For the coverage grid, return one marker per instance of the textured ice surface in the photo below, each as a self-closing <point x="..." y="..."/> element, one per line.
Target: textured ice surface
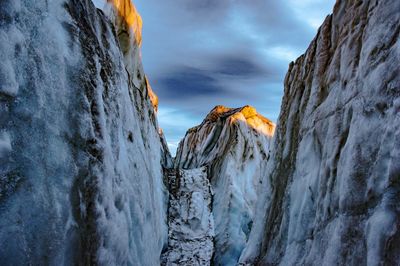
<point x="190" y="221"/>
<point x="333" y="181"/>
<point x="81" y="157"/>
<point x="5" y="144"/>
<point x="234" y="144"/>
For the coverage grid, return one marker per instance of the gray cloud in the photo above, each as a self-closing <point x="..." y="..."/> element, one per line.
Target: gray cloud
<point x="200" y="53"/>
<point x="239" y="67"/>
<point x="186" y="82"/>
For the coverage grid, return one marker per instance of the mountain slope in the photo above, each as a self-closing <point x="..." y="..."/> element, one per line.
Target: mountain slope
<point x="81" y="157"/>
<point x="332" y="185"/>
<point x="234" y="144"/>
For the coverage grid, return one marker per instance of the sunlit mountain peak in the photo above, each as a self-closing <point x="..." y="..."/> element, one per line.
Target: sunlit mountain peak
<point x="130" y="17"/>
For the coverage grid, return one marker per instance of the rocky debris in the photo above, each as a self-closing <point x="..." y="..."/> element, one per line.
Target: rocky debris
<point x="331" y="188"/>
<point x="190" y="221"/>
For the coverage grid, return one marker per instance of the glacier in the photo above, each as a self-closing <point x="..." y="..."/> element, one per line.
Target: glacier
<point x="82" y="156"/>
<point x="234" y="144"/>
<point x="86" y="177"/>
<point x="332" y="190"/>
<point x="190" y="221"/>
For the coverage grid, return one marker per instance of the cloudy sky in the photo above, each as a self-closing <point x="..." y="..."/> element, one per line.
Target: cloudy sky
<point x="202" y="53"/>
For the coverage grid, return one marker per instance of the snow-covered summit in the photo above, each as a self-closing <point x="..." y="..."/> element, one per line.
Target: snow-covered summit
<point x="247" y="114"/>
<point x="209" y="140"/>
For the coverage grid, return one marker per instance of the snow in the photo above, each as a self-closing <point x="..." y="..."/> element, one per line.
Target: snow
<point x="8" y="83"/>
<point x="380" y="226"/>
<point x="234" y="144"/>
<point x="329" y="192"/>
<point x="81" y="172"/>
<point x="191" y="223"/>
<point x="11" y="40"/>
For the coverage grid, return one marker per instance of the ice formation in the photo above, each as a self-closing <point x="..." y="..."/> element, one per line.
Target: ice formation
<point x="84" y="167"/>
<point x="332" y="186"/>
<point x="190" y="221"/>
<point x="234" y="144"/>
<point x="81" y="156"/>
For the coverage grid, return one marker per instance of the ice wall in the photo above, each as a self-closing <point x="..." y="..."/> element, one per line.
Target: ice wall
<point x="332" y="185"/>
<point x="81" y="156"/>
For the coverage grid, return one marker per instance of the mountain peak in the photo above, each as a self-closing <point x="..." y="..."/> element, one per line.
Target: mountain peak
<point x="247" y="114"/>
<point x="222" y="111"/>
<point x="234" y="144"/>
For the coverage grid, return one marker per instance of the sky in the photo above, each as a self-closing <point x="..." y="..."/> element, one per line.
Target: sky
<point x="201" y="53"/>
